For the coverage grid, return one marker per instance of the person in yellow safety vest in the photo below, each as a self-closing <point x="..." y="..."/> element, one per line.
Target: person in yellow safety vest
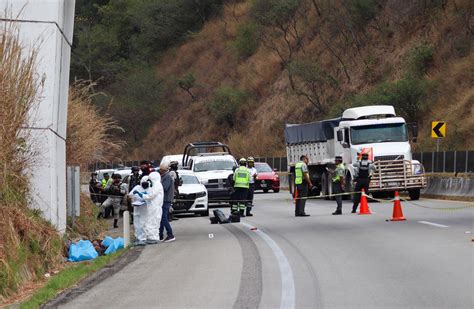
<point x="302" y="184"/>
<point x="105" y="180"/>
<point x="338" y="183"/>
<point x="241" y="186"/>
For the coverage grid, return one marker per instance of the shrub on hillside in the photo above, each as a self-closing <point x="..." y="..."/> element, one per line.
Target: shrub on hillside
<point x="419" y="59"/>
<point x="362" y="11"/>
<point x="247" y="40"/>
<point x="227" y="102"/>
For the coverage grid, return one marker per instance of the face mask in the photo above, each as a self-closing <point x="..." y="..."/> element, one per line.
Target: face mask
<point x="145" y="185"/>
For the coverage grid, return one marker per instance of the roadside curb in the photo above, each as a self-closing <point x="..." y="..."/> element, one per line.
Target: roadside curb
<point x="95" y="278"/>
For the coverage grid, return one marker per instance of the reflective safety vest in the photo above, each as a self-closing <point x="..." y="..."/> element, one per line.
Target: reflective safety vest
<point x="104" y="183"/>
<point x="338" y="173"/>
<point x="241" y="177"/>
<point x="299" y="173"/>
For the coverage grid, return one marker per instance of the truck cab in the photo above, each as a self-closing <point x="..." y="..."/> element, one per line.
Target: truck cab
<point x="212" y="163"/>
<point x="375" y="130"/>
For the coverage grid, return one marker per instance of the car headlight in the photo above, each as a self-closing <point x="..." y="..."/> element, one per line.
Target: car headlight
<point x="204" y="181"/>
<point x="201" y="194"/>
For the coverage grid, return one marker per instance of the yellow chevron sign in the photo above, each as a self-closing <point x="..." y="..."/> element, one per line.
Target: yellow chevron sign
<point x="438" y="129"/>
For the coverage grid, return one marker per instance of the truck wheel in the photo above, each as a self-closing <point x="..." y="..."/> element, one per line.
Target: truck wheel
<point x="205" y="214"/>
<point x="324" y="185"/>
<point x="349" y="188"/>
<point x="414" y="194"/>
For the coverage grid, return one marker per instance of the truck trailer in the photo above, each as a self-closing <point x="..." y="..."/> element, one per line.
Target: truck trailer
<point x="375" y="130"/>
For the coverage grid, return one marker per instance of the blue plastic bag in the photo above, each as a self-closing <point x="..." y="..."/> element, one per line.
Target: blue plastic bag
<point x="107" y="241"/>
<point x="82" y="251"/>
<point x="116" y="244"/>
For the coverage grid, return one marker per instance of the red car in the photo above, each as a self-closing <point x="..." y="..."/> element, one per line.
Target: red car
<point x="267" y="178"/>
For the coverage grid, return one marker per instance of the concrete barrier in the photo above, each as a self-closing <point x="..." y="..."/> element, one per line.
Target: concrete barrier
<point x="283" y="180"/>
<point x="449" y="186"/>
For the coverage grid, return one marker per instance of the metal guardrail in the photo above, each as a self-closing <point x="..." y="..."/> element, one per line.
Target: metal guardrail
<point x="433" y="162"/>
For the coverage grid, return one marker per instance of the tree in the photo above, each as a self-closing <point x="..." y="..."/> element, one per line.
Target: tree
<point x="312" y="82"/>
<point x="227" y="102"/>
<point x="186" y="83"/>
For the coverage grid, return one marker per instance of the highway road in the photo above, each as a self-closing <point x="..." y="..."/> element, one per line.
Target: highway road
<point x="321" y="261"/>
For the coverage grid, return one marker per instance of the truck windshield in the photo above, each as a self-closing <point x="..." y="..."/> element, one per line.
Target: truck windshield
<point x="380" y="133"/>
<point x="214" y="166"/>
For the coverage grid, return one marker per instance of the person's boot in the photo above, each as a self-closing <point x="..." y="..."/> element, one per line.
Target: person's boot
<point x="337" y="212"/>
<point x="241" y="213"/>
<point x="247" y="213"/>
<point x="115" y="223"/>
<point x="100" y="215"/>
<point x="354" y="209"/>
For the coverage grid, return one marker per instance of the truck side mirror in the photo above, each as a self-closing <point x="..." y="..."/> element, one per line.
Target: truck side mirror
<point x="339" y="136"/>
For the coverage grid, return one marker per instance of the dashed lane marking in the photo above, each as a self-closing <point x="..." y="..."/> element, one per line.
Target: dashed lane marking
<point x="433" y="224"/>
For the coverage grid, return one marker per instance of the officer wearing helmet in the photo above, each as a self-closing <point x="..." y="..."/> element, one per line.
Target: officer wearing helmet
<point x="253" y="177"/>
<point x="241" y="186"/>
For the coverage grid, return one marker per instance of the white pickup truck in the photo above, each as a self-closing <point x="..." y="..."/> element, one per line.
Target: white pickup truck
<point x="372" y="129"/>
<point x="211" y="168"/>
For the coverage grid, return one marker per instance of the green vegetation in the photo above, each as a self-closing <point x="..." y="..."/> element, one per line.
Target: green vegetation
<point x="419" y="59"/>
<point x="186" y="83"/>
<point x="362" y="11"/>
<point x="67" y="278"/>
<point x="116" y="43"/>
<point x="248" y="39"/>
<point x="227" y="102"/>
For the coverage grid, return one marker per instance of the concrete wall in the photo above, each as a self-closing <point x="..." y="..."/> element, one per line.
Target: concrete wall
<point x="48" y="26"/>
<point x="450" y="186"/>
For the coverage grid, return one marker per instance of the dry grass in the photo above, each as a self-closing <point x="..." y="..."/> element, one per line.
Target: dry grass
<point x="29" y="245"/>
<point x="89" y="134"/>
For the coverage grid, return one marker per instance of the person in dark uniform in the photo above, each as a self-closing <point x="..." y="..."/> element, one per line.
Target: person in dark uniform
<point x="302" y="184"/>
<point x="338" y="182"/>
<point x="362" y="171"/>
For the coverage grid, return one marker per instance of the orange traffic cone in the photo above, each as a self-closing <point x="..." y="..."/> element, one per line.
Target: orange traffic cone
<point x="397" y="209"/>
<point x="364" y="206"/>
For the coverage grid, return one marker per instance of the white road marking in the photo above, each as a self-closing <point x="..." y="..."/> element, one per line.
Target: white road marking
<point x="287" y="281"/>
<point x="433" y="224"/>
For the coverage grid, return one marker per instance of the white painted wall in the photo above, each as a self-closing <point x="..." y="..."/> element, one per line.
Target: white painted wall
<point x="48" y="25"/>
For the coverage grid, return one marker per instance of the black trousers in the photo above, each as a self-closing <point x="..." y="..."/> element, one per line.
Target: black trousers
<point x="250" y="197"/>
<point x="301" y="203"/>
<point x="362" y="183"/>
<point x="337" y="189"/>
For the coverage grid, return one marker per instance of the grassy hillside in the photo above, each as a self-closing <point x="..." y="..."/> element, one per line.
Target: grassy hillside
<point x="265" y="63"/>
<point x="249" y="67"/>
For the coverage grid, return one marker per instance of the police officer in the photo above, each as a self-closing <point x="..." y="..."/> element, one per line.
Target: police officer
<point x="338" y="182"/>
<point x="241" y="186"/>
<point x="302" y="184"/>
<point x="253" y="177"/>
<point x="362" y="172"/>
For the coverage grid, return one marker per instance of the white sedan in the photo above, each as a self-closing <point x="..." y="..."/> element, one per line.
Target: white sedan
<point x="192" y="197"/>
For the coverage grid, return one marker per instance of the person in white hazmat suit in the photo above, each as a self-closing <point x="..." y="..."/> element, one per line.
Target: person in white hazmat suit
<point x="154" y="201"/>
<point x="140" y="212"/>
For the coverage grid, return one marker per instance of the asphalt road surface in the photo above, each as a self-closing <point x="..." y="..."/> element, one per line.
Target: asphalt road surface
<point x="321" y="261"/>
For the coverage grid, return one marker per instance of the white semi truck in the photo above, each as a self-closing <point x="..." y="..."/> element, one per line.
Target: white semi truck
<point x="372" y="129"/>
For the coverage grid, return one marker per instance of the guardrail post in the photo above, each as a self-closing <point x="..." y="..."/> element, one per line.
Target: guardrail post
<point x="432" y="162"/>
<point x="467" y="161"/>
<point x="444" y="161"/>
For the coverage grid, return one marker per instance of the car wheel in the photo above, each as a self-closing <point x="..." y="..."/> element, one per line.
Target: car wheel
<point x="276" y="190"/>
<point x="265" y="190"/>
